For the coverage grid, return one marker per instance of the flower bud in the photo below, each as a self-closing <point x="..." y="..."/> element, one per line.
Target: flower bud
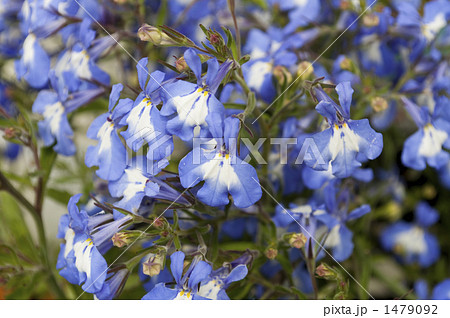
<point x="271" y="253"/>
<point x="10" y="132"/>
<point x="154" y="35"/>
<point x="379" y="104"/>
<point x="304" y="70"/>
<point x="151" y="269"/>
<point x="214" y="39"/>
<point x="153" y="265"/>
<point x="326" y="272"/>
<point x="346" y="64"/>
<point x="121" y="239"/>
<point x="371" y="20"/>
<point x="181" y="65"/>
<point x="282" y="75"/>
<point x="158" y="223"/>
<point x="297" y="240"/>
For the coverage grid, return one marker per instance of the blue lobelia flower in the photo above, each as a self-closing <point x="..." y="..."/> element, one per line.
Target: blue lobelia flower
<point x="267" y="50"/>
<point x="189" y="104"/>
<point x="377" y="53"/>
<point x="109" y="154"/>
<point x="339" y="239"/>
<point x="34" y="65"/>
<point x="411" y="242"/>
<point x="186" y="287"/>
<point x="221" y="169"/>
<point x="135" y="183"/>
<point x="346" y="143"/>
<point x="189" y="15"/>
<point x="425" y="145"/>
<point x="426" y="28"/>
<point x="301" y="12"/>
<point x="215" y="285"/>
<point x="145" y="124"/>
<point x="309" y="219"/>
<point x="86" y="238"/>
<point x="76" y="68"/>
<point x="54" y="106"/>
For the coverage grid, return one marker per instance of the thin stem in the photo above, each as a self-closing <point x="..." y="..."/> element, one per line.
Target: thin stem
<point x="310" y="264"/>
<point x="8" y="187"/>
<point x="231" y="5"/>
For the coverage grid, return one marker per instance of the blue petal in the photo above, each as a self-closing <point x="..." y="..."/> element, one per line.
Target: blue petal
<point x="410" y="157"/>
<point x="442" y="290"/>
<point x="194" y="62"/>
<point x="426" y="215"/>
<point x="114" y="96"/>
<point x="199" y="273"/>
<point x="160" y="292"/>
<point x="358" y="212"/>
<point x="142" y="71"/>
<point x="34" y="64"/>
<point x="371" y="142"/>
<point x="345" y="92"/>
<point x="177" y="265"/>
<point x="238" y="273"/>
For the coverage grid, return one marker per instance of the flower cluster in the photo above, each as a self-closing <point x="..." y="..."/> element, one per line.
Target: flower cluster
<point x="262" y="149"/>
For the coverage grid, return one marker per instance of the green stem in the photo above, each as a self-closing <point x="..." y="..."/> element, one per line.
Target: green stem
<point x="8" y="187"/>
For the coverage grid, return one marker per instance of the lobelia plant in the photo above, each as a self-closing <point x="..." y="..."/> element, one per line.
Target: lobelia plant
<point x="231" y="151"/>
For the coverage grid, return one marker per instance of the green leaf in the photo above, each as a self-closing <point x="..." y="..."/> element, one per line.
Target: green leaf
<point x="13" y="229"/>
<point x="60" y="196"/>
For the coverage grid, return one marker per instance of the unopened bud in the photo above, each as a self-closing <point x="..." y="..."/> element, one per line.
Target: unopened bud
<point x="181" y="65"/>
<point x="379" y="104"/>
<point x="121" y="239"/>
<point x="149" y="33"/>
<point x="153" y="265"/>
<point x="304" y="69"/>
<point x="271" y="253"/>
<point x="297" y="240"/>
<point x="326" y="272"/>
<point x="371" y="20"/>
<point x="214" y="39"/>
<point x="345" y="5"/>
<point x="158" y="223"/>
<point x="392" y="210"/>
<point x="346" y="64"/>
<point x="10" y="132"/>
<point x="282" y="75"/>
<point x="151" y="269"/>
